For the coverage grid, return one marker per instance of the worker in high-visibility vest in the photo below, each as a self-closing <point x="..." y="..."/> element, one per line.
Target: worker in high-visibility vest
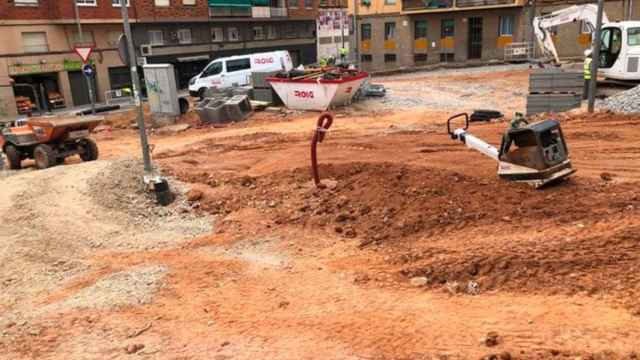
<point x="344" y="52"/>
<point x="587" y="73"/>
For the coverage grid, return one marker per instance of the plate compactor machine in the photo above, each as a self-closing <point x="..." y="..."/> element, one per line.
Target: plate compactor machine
<point x="535" y="154"/>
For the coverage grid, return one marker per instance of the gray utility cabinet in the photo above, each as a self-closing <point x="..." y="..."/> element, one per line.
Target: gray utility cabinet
<point x="162" y="89"/>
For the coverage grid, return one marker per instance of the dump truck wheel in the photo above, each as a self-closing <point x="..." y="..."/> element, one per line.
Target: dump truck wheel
<point x="13" y="156"/>
<point x="90" y="150"/>
<point x="44" y="156"/>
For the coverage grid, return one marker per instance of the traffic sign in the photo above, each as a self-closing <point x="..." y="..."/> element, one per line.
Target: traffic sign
<point x="84" y="53"/>
<point x="87" y="70"/>
<point x="123" y="49"/>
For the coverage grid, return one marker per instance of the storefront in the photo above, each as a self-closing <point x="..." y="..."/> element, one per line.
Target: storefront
<point x="48" y="85"/>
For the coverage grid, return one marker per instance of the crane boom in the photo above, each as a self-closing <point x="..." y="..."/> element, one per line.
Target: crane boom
<point x="541" y="24"/>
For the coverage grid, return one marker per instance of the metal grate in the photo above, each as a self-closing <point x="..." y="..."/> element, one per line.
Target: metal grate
<point x="632" y="64"/>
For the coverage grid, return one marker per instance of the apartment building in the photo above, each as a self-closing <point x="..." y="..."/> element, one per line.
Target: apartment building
<point x="37" y="59"/>
<point x="396" y="34"/>
<point x="334" y="28"/>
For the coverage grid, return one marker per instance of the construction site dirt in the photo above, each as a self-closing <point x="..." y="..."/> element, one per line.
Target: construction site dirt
<point x="412" y="249"/>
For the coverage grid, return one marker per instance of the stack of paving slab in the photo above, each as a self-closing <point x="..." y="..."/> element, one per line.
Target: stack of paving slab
<point x="554" y="90"/>
<point x="262" y="90"/>
<point x="221" y="108"/>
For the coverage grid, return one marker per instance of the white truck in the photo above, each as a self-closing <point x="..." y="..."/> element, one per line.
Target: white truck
<point x="236" y="70"/>
<point x="619" y="41"/>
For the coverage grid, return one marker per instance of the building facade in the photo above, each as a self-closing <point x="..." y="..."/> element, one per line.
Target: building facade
<point x="334" y="28"/>
<point x="38" y="62"/>
<point x="396" y="34"/>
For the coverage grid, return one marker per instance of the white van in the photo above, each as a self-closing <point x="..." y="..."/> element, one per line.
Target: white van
<point x="236" y="70"/>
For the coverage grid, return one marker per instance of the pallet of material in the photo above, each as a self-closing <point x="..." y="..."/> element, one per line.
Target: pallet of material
<point x="544" y="103"/>
<point x="543" y="81"/>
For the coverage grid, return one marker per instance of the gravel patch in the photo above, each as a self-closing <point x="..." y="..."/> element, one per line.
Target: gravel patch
<point x="124" y="193"/>
<point x="126" y="288"/>
<point x="626" y="102"/>
<point x="429" y="90"/>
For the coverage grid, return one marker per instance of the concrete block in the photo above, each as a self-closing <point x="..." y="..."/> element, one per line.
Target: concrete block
<point x="258" y="79"/>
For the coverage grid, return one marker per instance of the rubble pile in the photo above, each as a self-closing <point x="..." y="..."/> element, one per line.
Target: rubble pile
<point x="626" y="102"/>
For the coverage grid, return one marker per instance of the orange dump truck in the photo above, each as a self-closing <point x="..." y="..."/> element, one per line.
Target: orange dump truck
<point x="49" y="140"/>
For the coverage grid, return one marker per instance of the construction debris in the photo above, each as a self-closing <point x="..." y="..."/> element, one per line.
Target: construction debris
<point x="626" y="102"/>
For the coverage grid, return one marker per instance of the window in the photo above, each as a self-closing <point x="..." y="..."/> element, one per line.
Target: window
<point x="234" y="34"/>
<point x="217" y="35"/>
<point x="420" y="29"/>
<point x="155" y="37"/>
<point x="87" y="38"/>
<point x="293" y="4"/>
<point x="420" y="58"/>
<point x="258" y="33"/>
<point x="586" y="27"/>
<point x="389" y="58"/>
<point x="86" y="2"/>
<point x="162" y="2"/>
<point x="184" y="36"/>
<point x="633" y="36"/>
<point x="389" y="2"/>
<point x="237" y="65"/>
<point x="213" y="69"/>
<point x="506" y="26"/>
<point x="365" y="32"/>
<point x="448" y="28"/>
<point x="447" y="57"/>
<point x="271" y="32"/>
<point x="26" y="2"/>
<point x="308" y="4"/>
<point x="366" y="58"/>
<point x="35" y="42"/>
<point x="117" y="3"/>
<point x="188" y="2"/>
<point x="288" y="30"/>
<point x="389" y="31"/>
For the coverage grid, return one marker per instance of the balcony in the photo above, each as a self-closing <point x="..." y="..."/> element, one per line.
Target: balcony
<point x="279" y="12"/>
<point x="473" y="3"/>
<point x="229" y="11"/>
<point x="453" y="5"/>
<point x="261" y="12"/>
<point x="333" y="4"/>
<point x="409" y="5"/>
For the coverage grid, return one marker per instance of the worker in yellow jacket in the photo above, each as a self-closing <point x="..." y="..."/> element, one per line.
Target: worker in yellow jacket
<point x="587" y="73"/>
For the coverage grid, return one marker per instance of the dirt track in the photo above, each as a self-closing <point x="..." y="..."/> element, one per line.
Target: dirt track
<point x="292" y="272"/>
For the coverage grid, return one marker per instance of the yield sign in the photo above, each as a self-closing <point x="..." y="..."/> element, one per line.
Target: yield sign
<point x="84" y="53"/>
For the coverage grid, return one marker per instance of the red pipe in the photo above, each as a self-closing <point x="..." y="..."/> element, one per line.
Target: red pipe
<point x="324" y="123"/>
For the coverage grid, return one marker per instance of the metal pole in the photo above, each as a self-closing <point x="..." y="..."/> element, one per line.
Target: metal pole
<point x="135" y="82"/>
<point x="532" y="35"/>
<point x="343" y="20"/>
<point x="595" y="56"/>
<point x="356" y="48"/>
<point x="81" y="36"/>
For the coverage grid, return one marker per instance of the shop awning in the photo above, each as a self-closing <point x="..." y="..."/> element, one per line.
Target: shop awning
<point x="230" y="3"/>
<point x="260" y="2"/>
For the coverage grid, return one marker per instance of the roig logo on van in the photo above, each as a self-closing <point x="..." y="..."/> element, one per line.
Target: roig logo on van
<point x="268" y="60"/>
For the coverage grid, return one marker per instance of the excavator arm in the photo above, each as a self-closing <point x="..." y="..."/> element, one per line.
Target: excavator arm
<point x="541" y="24"/>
